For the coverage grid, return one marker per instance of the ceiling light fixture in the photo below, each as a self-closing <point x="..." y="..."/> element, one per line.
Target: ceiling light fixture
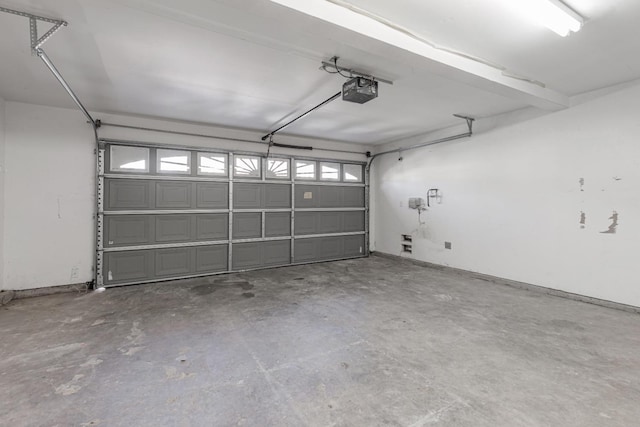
<point x="553" y="14"/>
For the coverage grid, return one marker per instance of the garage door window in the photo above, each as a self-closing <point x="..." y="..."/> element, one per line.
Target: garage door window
<point x="212" y="164"/>
<point x="129" y="159"/>
<point x="329" y="171"/>
<point x="352" y="173"/>
<point x="278" y="168"/>
<point x="174" y="161"/>
<point x="246" y="167"/>
<point x="305" y="169"/>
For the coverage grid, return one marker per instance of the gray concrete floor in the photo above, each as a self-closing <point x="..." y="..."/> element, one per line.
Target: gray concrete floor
<point x="355" y="343"/>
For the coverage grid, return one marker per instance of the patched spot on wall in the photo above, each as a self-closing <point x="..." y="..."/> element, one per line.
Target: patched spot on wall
<point x="613" y="228"/>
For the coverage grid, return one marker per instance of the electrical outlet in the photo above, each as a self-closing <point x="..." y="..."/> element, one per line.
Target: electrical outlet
<point x="447" y="245"/>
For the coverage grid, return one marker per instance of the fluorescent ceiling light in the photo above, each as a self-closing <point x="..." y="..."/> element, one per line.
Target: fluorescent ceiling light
<point x="553" y="14"/>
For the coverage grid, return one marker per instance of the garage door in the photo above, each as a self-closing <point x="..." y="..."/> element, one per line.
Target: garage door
<point x="177" y="212"/>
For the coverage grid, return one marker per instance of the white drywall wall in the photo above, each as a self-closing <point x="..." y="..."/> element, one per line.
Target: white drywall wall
<point x="50" y="181"/>
<point x="2" y="143"/>
<point x="512" y="200"/>
<point x="49" y="197"/>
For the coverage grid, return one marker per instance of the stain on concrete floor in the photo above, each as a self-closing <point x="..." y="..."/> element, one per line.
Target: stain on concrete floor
<point x="221" y="283"/>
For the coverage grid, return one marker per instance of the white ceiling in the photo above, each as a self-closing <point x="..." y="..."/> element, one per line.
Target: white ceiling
<point x="254" y="64"/>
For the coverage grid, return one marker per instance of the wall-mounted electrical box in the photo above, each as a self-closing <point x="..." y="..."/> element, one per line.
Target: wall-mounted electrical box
<point x="416" y="203"/>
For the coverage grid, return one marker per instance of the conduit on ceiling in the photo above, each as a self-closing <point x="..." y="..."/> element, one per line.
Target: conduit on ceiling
<point x="337" y="69"/>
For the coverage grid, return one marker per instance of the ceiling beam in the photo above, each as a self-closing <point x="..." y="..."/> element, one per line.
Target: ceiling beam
<point x="452" y="65"/>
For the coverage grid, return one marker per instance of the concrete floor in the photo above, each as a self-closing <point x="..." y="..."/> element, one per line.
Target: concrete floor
<point x="355" y="343"/>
